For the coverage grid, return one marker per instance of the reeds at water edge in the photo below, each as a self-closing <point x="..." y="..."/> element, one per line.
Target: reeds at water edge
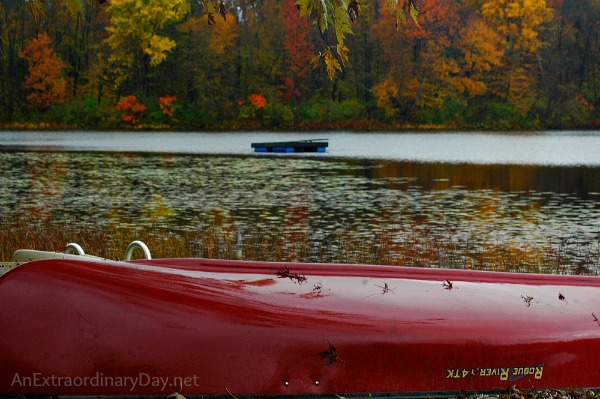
<point x="291" y="244"/>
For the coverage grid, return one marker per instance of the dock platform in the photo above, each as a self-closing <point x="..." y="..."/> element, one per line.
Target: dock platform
<point x="315" y="145"/>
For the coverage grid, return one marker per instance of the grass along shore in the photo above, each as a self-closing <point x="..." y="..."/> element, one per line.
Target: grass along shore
<point x="288" y="244"/>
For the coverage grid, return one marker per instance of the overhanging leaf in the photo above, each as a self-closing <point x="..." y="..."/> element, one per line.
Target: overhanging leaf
<point x="315" y="60"/>
<point x="36" y="8"/>
<point x="331" y="63"/>
<point x="414" y="13"/>
<point x="343" y="51"/>
<point x="390" y="5"/>
<point x="353" y="10"/>
<point x="183" y="7"/>
<point x="74" y="7"/>
<point x="342" y="24"/>
<point x="210" y="7"/>
<point x="211" y="11"/>
<point x="223" y="11"/>
<point x="210" y="17"/>
<point x="320" y="8"/>
<point x="400" y="17"/>
<point x="305" y="7"/>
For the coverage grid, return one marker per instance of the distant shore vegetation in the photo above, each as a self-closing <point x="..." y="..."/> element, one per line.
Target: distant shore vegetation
<point x="133" y="64"/>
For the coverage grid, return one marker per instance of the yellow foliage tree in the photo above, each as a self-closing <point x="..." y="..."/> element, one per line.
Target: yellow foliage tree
<point x="518" y="21"/>
<point x="385" y="94"/>
<point x="482" y="55"/>
<point x="135" y="32"/>
<point x="224" y="36"/>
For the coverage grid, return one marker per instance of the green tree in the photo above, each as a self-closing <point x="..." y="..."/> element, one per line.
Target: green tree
<point x="204" y="69"/>
<point x="15" y="33"/>
<point x="572" y="65"/>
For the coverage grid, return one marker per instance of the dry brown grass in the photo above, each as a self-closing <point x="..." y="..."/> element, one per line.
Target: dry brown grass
<point x="219" y="242"/>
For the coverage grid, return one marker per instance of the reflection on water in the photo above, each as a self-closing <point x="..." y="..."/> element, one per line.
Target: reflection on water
<point x="470" y="205"/>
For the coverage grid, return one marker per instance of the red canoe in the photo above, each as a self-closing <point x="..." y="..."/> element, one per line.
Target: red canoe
<point x="202" y="327"/>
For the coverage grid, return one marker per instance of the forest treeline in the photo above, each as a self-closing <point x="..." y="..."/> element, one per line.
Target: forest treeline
<point x="469" y="64"/>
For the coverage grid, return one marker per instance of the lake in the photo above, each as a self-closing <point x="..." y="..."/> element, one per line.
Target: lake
<point x="529" y="191"/>
<point x="548" y="148"/>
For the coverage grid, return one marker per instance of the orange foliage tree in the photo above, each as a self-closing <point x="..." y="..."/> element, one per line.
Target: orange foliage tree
<point x="258" y="100"/>
<point x="166" y="105"/>
<point x="254" y="110"/>
<point x="45" y="79"/>
<point x="133" y="110"/>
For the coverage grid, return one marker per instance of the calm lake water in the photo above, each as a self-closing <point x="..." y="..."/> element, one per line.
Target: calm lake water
<point x="551" y="148"/>
<point x="525" y="191"/>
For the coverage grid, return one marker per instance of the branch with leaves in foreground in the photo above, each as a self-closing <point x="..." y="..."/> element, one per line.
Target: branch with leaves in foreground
<point x="337" y="15"/>
<point x="329" y="15"/>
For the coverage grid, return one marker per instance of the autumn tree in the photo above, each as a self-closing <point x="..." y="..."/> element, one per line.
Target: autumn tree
<point x="204" y="67"/>
<point x="167" y="105"/>
<point x="435" y="65"/>
<point x="518" y="24"/>
<point x="298" y="50"/>
<point x="481" y="56"/>
<point x="420" y="70"/>
<point x="333" y="16"/>
<point x="132" y="109"/>
<point x="572" y="74"/>
<point x="137" y="38"/>
<point x="38" y="8"/>
<point x="473" y="63"/>
<point x="261" y="59"/>
<point x="394" y="63"/>
<point x="45" y="79"/>
<point x="386" y="93"/>
<point x="220" y="60"/>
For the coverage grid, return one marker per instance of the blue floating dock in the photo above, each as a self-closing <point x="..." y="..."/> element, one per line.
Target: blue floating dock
<point x="316" y="145"/>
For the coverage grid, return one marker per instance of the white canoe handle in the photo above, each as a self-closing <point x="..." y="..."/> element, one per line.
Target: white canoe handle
<point x="73" y="247"/>
<point x="135" y="245"/>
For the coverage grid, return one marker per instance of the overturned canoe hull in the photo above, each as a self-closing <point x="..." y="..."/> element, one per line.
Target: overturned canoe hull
<point x="207" y="327"/>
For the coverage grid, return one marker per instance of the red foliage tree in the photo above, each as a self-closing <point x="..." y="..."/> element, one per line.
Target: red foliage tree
<point x="298" y="48"/>
<point x="166" y="105"/>
<point x="45" y="79"/>
<point x="132" y="109"/>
